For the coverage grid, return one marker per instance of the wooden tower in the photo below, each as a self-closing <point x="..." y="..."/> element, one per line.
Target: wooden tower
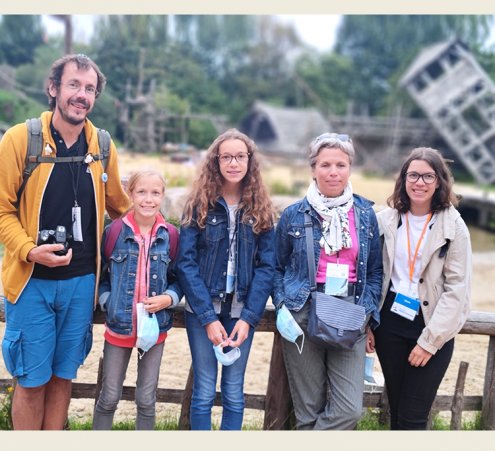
<point x="458" y="97"/>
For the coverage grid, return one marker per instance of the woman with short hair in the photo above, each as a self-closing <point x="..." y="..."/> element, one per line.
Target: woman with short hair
<point x="327" y="383"/>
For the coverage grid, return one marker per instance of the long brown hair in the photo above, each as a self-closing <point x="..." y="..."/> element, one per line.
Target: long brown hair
<point x="444" y="195"/>
<point x="207" y="188"/>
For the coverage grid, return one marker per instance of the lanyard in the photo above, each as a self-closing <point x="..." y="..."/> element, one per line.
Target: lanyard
<point x="146" y="262"/>
<point x="412" y="261"/>
<point x="75" y="183"/>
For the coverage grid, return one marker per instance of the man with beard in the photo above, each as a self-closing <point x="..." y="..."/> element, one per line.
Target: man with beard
<point x="49" y="288"/>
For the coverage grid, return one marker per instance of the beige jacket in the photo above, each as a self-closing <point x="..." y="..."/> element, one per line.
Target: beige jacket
<point x="445" y="283"/>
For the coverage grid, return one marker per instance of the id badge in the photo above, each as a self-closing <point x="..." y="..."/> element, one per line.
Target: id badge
<point x="230" y="277"/>
<point x="409" y="289"/>
<point x="337" y="279"/>
<point x="76" y="224"/>
<point x="405" y="306"/>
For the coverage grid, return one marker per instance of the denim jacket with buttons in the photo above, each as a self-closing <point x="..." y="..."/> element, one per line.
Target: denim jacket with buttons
<point x="202" y="266"/>
<point x="292" y="285"/>
<point x="116" y="290"/>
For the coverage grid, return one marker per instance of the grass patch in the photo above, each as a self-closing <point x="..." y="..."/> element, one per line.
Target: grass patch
<point x="170" y="423"/>
<point x="370" y="422"/>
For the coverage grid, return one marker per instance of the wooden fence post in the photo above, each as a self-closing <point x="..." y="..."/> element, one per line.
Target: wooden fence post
<point x="99" y="380"/>
<point x="384" y="417"/>
<point x="458" y="400"/>
<point x="488" y="409"/>
<point x="184" y="419"/>
<point x="278" y="402"/>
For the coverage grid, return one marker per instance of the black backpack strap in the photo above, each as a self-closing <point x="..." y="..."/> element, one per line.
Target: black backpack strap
<point x="35" y="143"/>
<point x="34" y="152"/>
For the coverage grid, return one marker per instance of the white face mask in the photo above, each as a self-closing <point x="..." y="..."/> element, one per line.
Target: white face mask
<point x="147" y="328"/>
<point x="288" y="327"/>
<point x="227" y="358"/>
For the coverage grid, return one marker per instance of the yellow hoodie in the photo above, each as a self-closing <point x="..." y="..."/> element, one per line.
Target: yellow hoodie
<point x="19" y="227"/>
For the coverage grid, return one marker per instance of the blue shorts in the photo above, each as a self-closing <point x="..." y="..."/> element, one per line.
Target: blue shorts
<point x="49" y="330"/>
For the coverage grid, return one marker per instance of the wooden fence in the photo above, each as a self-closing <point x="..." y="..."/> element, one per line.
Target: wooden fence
<point x="277" y="403"/>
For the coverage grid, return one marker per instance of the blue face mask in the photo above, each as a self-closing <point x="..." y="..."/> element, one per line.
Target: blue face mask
<point x="288" y="327"/>
<point x="368" y="369"/>
<point x="227" y="358"/>
<point x="147" y="329"/>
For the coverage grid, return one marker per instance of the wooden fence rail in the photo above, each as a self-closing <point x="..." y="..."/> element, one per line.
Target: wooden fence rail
<point x="277" y="402"/>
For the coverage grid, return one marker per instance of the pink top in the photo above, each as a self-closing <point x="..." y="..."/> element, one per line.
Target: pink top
<point x="346" y="256"/>
<point x="129" y="341"/>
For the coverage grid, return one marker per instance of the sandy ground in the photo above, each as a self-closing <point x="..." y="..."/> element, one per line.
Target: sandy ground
<point x="176" y="361"/>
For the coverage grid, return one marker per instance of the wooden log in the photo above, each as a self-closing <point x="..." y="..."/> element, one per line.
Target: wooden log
<point x="384" y="417"/>
<point x="99" y="380"/>
<point x="488" y="410"/>
<point x="429" y="424"/>
<point x="184" y="422"/>
<point x="278" y="404"/>
<point x="478" y="323"/>
<point x="458" y="399"/>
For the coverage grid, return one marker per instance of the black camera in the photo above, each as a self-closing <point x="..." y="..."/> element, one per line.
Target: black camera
<point x="57" y="236"/>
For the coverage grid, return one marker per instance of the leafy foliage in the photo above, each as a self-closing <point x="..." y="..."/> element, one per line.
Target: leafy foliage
<point x="20" y="35"/>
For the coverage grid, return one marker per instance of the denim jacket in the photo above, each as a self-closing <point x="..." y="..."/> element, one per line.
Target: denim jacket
<point x="292" y="285"/>
<point x="116" y="290"/>
<point x="202" y="266"/>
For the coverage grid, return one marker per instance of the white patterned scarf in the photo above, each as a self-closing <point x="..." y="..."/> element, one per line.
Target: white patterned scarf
<point x="334" y="211"/>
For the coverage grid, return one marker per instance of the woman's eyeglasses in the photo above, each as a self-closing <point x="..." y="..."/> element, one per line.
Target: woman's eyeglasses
<point x="428" y="178"/>
<point x="241" y="158"/>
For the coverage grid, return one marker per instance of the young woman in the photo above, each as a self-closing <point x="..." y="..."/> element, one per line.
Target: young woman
<point x="225" y="268"/>
<point x="426" y="287"/>
<point x="139" y="273"/>
<point x="327" y="384"/>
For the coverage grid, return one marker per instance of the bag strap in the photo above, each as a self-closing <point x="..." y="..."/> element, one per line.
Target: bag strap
<point x="112" y="235"/>
<point x="104" y="144"/>
<point x="173" y="240"/>
<point x="116" y="227"/>
<point x="34" y="144"/>
<point x="308" y="225"/>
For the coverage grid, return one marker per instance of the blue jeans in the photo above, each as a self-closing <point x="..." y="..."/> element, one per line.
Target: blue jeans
<point x="205" y="367"/>
<point x="115" y="363"/>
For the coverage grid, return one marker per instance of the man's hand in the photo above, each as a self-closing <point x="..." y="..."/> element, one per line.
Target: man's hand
<point x="44" y="255"/>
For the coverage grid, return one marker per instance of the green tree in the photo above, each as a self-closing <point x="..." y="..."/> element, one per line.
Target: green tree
<point x="20" y="35"/>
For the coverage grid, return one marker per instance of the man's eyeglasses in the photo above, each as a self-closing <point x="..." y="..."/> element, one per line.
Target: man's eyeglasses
<point x="76" y="87"/>
<point x="227" y="158"/>
<point x="342" y="138"/>
<point x="428" y="178"/>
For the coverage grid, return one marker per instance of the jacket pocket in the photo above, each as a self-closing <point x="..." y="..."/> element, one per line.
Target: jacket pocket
<point x="216" y="227"/>
<point x="297" y="236"/>
<point x="12" y="352"/>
